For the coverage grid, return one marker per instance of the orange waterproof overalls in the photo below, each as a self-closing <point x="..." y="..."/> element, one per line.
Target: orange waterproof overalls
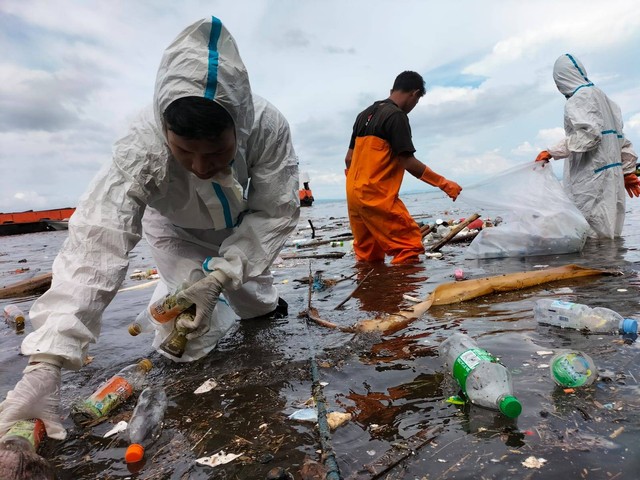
<point x="380" y="222"/>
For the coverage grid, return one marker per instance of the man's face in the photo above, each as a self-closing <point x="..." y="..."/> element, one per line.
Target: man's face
<point x="413" y="100"/>
<point x="204" y="158"/>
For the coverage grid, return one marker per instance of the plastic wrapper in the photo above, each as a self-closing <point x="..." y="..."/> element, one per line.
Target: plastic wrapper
<point x="539" y="218"/>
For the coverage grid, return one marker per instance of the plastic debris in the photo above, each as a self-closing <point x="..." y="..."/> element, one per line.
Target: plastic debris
<point x="305" y="415"/>
<point x="533" y="462"/>
<point x="411" y="299"/>
<point x="121" y="426"/>
<point x="542" y="353"/>
<point x="455" y="400"/>
<point x="219" y="458"/>
<point x="458" y="274"/>
<point x="206" y="386"/>
<point x="337" y="419"/>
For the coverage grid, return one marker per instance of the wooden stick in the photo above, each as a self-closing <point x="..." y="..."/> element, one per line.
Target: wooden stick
<point x="453" y="233"/>
<point x="37" y="284"/>
<point x="354" y="291"/>
<point x="292" y="256"/>
<point x="424" y="230"/>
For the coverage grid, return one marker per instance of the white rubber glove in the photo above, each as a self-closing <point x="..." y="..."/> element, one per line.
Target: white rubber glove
<point x="204" y="295"/>
<point x="36" y="395"/>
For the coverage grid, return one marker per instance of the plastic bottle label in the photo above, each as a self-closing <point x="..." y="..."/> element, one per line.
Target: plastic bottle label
<point x="565" y="372"/>
<point x="109" y="396"/>
<point x="167" y="309"/>
<point x="31" y="430"/>
<point x="561" y="304"/>
<point x="467" y="361"/>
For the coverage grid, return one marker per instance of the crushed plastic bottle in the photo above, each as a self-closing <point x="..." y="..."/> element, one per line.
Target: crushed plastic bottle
<point x="582" y="317"/>
<point x="18" y="457"/>
<point x="484" y="381"/>
<point x="146" y="422"/>
<point x="570" y="368"/>
<point x="111" y="393"/>
<point x="14" y="316"/>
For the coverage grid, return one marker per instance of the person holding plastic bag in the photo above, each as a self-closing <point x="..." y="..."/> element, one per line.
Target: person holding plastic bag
<point x="600" y="162"/>
<point x="208" y="174"/>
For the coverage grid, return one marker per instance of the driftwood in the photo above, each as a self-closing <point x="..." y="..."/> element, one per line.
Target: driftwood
<point x="454" y="231"/>
<point x="31" y="286"/>
<point x="295" y="256"/>
<point x="455" y="292"/>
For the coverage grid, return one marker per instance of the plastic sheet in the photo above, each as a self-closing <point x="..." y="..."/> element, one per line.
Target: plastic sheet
<point x="539" y="218"/>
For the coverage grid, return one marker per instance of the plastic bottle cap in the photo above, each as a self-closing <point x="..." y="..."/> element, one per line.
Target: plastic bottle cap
<point x="629" y="325"/>
<point x="145" y="364"/>
<point x="135" y="329"/>
<point x="510" y="406"/>
<point x="134" y="453"/>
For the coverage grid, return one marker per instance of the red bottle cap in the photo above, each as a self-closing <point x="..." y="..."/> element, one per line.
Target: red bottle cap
<point x="134" y="453"/>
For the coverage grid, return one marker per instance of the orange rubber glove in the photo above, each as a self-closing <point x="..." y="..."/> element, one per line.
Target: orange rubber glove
<point x="452" y="189"/>
<point x="632" y="184"/>
<point x="543" y="156"/>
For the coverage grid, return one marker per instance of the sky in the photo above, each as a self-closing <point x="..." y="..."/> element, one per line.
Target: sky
<point x="73" y="74"/>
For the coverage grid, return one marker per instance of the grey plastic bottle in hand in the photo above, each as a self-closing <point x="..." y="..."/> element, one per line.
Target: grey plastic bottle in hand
<point x="146" y="422"/>
<point x="484" y="381"/>
<point x="577" y="316"/>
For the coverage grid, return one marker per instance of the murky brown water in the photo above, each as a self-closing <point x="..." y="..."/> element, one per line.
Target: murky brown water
<point x="395" y="387"/>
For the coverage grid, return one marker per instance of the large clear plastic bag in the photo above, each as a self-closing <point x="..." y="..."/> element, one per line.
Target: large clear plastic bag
<point x="539" y="218"/>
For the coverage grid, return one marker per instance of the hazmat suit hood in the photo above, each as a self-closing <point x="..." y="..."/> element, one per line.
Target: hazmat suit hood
<point x="203" y="61"/>
<point x="570" y="75"/>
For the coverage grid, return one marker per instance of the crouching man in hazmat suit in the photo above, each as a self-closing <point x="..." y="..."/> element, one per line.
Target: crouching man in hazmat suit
<point x="600" y="162"/>
<point x="209" y="175"/>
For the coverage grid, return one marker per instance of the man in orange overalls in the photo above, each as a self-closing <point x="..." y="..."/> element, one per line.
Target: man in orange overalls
<point x="381" y="149"/>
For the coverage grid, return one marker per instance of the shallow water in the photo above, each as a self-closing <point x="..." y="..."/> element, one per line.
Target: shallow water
<point x="394" y="386"/>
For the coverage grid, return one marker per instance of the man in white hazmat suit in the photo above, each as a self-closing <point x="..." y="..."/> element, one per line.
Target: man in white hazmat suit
<point x="600" y="161"/>
<point x="209" y="175"/>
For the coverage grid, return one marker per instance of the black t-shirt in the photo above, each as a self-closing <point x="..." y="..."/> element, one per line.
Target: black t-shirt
<point x="385" y="120"/>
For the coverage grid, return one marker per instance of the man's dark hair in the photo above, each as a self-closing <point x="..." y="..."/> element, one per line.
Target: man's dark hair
<point x="197" y="118"/>
<point x="409" y="81"/>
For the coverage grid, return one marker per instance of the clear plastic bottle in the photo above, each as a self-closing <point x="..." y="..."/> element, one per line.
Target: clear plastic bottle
<point x="25" y="435"/>
<point x="146" y="422"/>
<point x="14" y="316"/>
<point x="161" y="311"/>
<point x="570" y="368"/>
<point x="582" y="317"/>
<point x="484" y="381"/>
<point x="111" y="393"/>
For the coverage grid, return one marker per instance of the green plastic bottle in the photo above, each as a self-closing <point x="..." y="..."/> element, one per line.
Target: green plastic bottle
<point x="483" y="380"/>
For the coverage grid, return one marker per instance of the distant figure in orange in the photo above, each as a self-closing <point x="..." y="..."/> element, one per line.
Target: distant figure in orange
<point x="381" y="149"/>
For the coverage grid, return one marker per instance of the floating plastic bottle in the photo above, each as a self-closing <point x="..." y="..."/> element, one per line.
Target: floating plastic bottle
<point x="176" y="343"/>
<point x="14" y="317"/>
<point x="573" y="369"/>
<point x="25" y="435"/>
<point x="111" y="393"/>
<point x="582" y="317"/>
<point x="484" y="381"/>
<point x="146" y="422"/>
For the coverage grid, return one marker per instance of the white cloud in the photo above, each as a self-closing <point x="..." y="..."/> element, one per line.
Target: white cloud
<point x="73" y="73"/>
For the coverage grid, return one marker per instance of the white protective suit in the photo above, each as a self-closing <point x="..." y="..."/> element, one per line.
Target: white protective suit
<point x="242" y="219"/>
<point x="595" y="148"/>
